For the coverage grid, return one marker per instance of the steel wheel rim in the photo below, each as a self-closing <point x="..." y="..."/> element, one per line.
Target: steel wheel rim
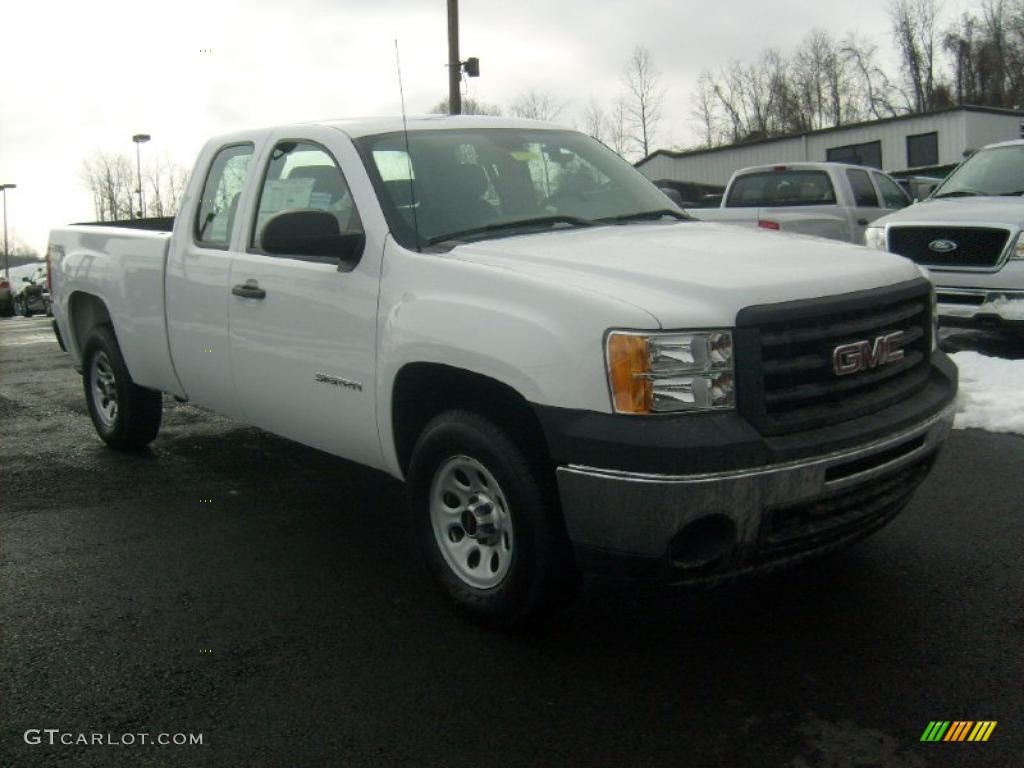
<point x="104" y="389"/>
<point x="472" y="524"/>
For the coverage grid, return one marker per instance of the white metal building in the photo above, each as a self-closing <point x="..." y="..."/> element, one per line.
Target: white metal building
<point x="929" y="143"/>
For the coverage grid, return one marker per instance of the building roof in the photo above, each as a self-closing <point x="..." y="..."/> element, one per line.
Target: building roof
<point x="819" y="131"/>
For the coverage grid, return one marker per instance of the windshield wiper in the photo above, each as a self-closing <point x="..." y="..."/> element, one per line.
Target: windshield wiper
<point x="539" y="221"/>
<point x="647" y="215"/>
<point x="959" y="193"/>
<point x="1018" y="193"/>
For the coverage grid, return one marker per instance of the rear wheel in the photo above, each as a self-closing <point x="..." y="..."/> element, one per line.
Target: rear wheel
<point x="126" y="416"/>
<point x="488" y="523"/>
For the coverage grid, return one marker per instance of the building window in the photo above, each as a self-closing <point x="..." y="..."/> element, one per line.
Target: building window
<point x="923" y="150"/>
<point x="869" y="154"/>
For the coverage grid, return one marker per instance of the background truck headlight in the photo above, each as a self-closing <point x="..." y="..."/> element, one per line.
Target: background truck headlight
<point x="670" y="372"/>
<point x="874" y="237"/>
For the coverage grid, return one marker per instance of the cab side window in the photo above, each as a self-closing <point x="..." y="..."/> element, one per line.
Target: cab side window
<point x="303" y="176"/>
<point x="224" y="184"/>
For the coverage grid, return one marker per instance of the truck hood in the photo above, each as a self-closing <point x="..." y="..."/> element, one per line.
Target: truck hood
<point x="691" y="274"/>
<point x="1008" y="211"/>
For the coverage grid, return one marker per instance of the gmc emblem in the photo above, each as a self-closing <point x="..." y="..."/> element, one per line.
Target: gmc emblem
<point x="865" y="355"/>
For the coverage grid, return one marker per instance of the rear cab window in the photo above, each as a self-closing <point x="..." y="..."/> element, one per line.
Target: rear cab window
<point x="218" y="205"/>
<point x="770" y="189"/>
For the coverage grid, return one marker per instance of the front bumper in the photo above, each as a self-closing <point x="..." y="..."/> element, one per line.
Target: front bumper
<point x="717" y="525"/>
<point x="980" y="307"/>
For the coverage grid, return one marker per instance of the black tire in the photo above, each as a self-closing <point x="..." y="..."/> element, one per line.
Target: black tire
<point x="541" y="576"/>
<point x="136" y="419"/>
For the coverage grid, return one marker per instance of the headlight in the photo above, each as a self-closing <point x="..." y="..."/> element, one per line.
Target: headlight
<point x="1018" y="249"/>
<point x="670" y="372"/>
<point x="874" y="237"/>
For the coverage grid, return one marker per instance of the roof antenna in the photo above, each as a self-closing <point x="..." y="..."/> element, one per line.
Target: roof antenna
<point x="408" y="154"/>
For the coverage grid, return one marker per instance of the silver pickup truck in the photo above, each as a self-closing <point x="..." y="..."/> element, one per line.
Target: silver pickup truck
<point x="830" y="200"/>
<point x="968" y="234"/>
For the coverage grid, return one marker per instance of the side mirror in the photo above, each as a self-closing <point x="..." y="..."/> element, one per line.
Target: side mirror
<point x="313" y="233"/>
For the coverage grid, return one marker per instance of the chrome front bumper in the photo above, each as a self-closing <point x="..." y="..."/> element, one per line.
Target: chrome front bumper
<point x="617" y="516"/>
<point x="981" y="305"/>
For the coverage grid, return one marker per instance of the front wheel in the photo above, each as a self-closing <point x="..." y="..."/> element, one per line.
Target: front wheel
<point x="126" y="416"/>
<point x="488" y="522"/>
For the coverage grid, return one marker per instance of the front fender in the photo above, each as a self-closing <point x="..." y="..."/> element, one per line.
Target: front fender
<point x="544" y="340"/>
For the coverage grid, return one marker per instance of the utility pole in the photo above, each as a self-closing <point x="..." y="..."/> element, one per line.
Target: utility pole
<point x="454" y="65"/>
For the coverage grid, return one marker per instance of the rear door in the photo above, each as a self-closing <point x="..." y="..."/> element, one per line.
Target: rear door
<point x="303" y="331"/>
<point x="197" y="281"/>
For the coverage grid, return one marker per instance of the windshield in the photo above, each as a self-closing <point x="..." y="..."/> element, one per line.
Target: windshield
<point x="995" y="171"/>
<point x="493" y="182"/>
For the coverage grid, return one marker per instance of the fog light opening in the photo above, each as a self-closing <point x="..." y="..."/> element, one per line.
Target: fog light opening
<point x="703" y="542"/>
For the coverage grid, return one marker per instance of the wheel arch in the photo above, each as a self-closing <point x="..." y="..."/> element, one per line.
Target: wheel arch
<point x="422" y="390"/>
<point x="85" y="312"/>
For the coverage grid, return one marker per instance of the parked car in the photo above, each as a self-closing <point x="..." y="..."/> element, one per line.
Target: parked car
<point x="968" y="235"/>
<point x="32" y="295"/>
<point x="6" y="305"/>
<point x="568" y="373"/>
<point x="831" y="200"/>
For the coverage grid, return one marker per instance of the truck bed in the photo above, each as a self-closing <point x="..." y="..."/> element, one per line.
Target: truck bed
<point x="121" y="263"/>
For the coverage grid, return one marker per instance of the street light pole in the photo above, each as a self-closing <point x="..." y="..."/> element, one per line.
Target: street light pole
<point x="140" y="139"/>
<point x="7" y="266"/>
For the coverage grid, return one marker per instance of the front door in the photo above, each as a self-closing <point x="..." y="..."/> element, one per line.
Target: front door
<point x="302" y="330"/>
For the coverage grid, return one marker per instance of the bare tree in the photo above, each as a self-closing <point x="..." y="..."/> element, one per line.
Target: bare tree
<point x="111" y="180"/>
<point x="643" y="98"/>
<point x="705" y="112"/>
<point x="879" y="96"/>
<point x="165" y="184"/>
<point x="987" y="55"/>
<point x="537" y="105"/>
<point x="915" y="29"/>
<point x="470" y="106"/>
<point x="618" y="128"/>
<point x="596" y="122"/>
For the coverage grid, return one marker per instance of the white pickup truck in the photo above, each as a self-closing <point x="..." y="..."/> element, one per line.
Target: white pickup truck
<point x="968" y="234"/>
<point x="568" y="375"/>
<point x="830" y="200"/>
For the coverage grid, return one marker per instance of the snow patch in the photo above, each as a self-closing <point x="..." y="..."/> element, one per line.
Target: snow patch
<point x="991" y="393"/>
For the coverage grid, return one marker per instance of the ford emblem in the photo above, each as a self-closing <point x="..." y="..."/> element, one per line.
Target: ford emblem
<point x="942" y="246"/>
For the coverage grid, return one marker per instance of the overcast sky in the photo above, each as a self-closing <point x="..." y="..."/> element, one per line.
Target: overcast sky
<point x="84" y="76"/>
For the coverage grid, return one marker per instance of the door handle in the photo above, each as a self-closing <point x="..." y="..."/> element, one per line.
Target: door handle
<point x="863" y="222"/>
<point x="250" y="289"/>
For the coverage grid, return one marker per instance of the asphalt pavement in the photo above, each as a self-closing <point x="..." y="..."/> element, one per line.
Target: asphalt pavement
<point x="265" y="596"/>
